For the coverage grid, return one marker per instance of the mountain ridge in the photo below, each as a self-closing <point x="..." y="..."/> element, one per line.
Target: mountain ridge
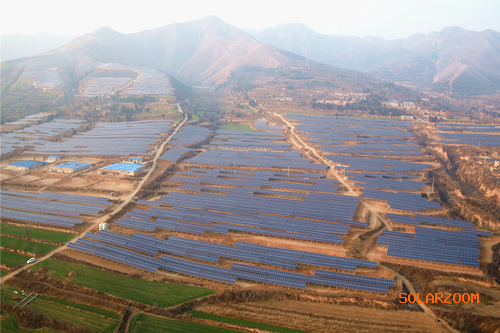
<point x="434" y="61"/>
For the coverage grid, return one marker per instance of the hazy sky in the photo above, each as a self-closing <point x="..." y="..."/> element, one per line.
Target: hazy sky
<point x="388" y="19"/>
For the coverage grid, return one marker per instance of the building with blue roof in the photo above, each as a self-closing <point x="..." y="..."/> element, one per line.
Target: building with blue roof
<point x="71" y="167"/>
<point x="25" y="165"/>
<point x="123" y="169"/>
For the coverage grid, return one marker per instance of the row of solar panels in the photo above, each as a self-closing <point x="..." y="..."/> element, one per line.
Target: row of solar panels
<point x="253" y="158"/>
<point x="134" y="138"/>
<point x="402" y="200"/>
<point x="374" y="182"/>
<point x="269" y="276"/>
<point x="251" y="251"/>
<point x="189" y="135"/>
<point x="51" y="207"/>
<point x="458" y="248"/>
<point x="419" y="219"/>
<point x="40" y="218"/>
<point x="338" y="207"/>
<point x="61" y="197"/>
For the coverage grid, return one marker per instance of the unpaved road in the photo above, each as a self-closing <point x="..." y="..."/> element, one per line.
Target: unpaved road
<point x="103" y="218"/>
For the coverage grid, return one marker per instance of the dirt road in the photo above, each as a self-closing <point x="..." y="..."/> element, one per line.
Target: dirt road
<point x="104" y="218"/>
<point x="315" y="152"/>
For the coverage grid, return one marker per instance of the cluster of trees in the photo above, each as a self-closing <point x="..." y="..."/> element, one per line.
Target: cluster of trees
<point x="181" y="91"/>
<point x="136" y="100"/>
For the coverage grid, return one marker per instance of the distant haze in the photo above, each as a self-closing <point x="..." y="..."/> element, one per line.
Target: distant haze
<point x="20" y="46"/>
<point x="387" y="19"/>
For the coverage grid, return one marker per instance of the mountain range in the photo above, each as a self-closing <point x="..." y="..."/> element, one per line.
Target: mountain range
<point x="206" y="51"/>
<point x="453" y="60"/>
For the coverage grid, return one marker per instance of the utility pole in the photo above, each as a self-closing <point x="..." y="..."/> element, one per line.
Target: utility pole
<point x="432" y="184"/>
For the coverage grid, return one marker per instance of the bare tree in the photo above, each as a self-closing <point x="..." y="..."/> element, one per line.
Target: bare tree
<point x="35" y="250"/>
<point x="13" y="245"/>
<point x="27" y="231"/>
<point x="25" y="243"/>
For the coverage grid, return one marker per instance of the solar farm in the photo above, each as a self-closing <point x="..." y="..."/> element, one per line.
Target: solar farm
<point x="301" y="207"/>
<point x="125" y="139"/>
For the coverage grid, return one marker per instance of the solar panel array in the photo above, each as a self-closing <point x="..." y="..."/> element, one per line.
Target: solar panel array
<point x="374" y="149"/>
<point x="173" y="154"/>
<point x="468" y="127"/>
<point x="36" y="207"/>
<point x="257" y="180"/>
<point x="39" y="218"/>
<point x="250" y="140"/>
<point x="37" y="135"/>
<point x="489" y="140"/>
<point x="262" y="125"/>
<point x="441" y="246"/>
<point x="402" y="200"/>
<point x="85" y="199"/>
<point x="152" y="82"/>
<point x="28" y="120"/>
<point x="182" y="221"/>
<point x="48" y="207"/>
<point x="100" y="86"/>
<point x="326" y="207"/>
<point x="189" y="135"/>
<point x="342" y="129"/>
<point x="419" y="219"/>
<point x="265" y="159"/>
<point x="210" y="252"/>
<point x="375" y="181"/>
<point x="127" y="138"/>
<point x="379" y="164"/>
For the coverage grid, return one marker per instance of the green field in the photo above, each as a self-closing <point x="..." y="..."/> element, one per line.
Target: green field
<point x="26" y="245"/>
<point x="70" y="312"/>
<point x="244" y="323"/>
<point x="194" y="119"/>
<point x="232" y="127"/>
<point x="2" y="273"/>
<point x="12" y="259"/>
<point x="143" y="323"/>
<point x="84" y="307"/>
<point x="201" y="113"/>
<point x="9" y="324"/>
<point x="23" y="83"/>
<point x="47" y="235"/>
<point x="246" y="106"/>
<point x="147" y="292"/>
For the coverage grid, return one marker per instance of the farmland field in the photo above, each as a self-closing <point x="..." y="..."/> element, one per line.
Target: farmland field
<point x="23" y="83"/>
<point x="9" y="324"/>
<point x="84" y="307"/>
<point x="91" y="318"/>
<point x="30" y="246"/>
<point x="144" y="323"/>
<point x="151" y="293"/>
<point x="232" y="127"/>
<point x="12" y="259"/>
<point x="47" y="235"/>
<point x="245" y="323"/>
